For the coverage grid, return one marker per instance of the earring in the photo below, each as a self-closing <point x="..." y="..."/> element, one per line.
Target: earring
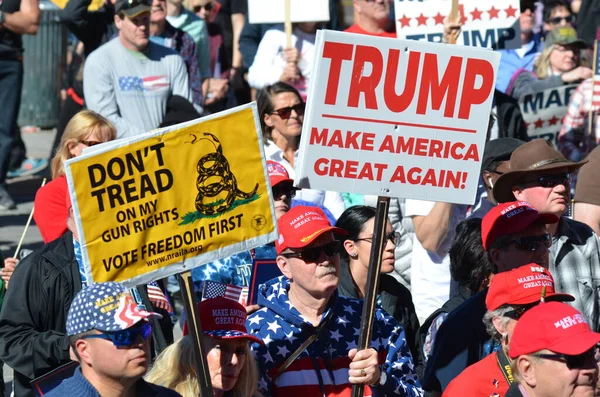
<point x="354" y="255"/>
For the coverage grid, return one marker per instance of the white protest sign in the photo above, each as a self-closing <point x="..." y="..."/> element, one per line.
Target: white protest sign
<point x="492" y="24"/>
<point x="396" y="118"/>
<point x="273" y="11"/>
<point x="544" y="111"/>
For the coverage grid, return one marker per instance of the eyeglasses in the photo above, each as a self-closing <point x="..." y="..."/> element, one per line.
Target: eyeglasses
<point x="208" y="7"/>
<point x="90" y="143"/>
<point x="551" y="181"/>
<point x="126" y="337"/>
<point x="573" y="362"/>
<point x="532" y="243"/>
<point x="394" y="237"/>
<point x="287" y="190"/>
<point x="557" y="20"/>
<point x="286" y="113"/>
<point x="313" y="254"/>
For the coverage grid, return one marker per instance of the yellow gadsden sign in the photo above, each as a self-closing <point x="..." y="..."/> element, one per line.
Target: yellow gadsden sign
<point x="173" y="199"/>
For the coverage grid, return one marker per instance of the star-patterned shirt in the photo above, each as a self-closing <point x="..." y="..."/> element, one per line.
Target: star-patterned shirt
<point x="322" y="369"/>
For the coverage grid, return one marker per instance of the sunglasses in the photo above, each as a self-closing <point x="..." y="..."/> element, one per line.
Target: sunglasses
<point x="573" y="362"/>
<point x="557" y="20"/>
<point x="517" y="312"/>
<point x="90" y="143"/>
<point x="528" y="5"/>
<point x="208" y="7"/>
<point x="286" y="113"/>
<point x="551" y="180"/>
<point x="126" y="337"/>
<point x="313" y="254"/>
<point x="532" y="244"/>
<point x="279" y="191"/>
<point x="394" y="237"/>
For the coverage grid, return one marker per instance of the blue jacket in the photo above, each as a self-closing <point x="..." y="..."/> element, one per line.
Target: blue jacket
<point x="322" y="369"/>
<point x="78" y="386"/>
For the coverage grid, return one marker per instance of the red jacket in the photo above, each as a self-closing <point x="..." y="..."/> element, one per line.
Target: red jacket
<point x="51" y="211"/>
<point x="482" y="379"/>
<point x="357" y="29"/>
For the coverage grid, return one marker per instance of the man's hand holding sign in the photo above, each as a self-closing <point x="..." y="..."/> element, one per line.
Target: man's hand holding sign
<point x="394" y="118"/>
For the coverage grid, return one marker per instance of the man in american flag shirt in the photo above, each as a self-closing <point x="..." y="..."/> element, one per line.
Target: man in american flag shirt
<point x="304" y="302"/>
<point x="129" y="79"/>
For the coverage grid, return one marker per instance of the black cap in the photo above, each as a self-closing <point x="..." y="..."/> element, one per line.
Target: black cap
<point x="498" y="150"/>
<point x="132" y="8"/>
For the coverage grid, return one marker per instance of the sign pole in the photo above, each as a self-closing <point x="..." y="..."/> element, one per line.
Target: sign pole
<point x="594" y="71"/>
<point x="368" y="312"/>
<point x="195" y="331"/>
<point x="453" y="16"/>
<point x="288" y="24"/>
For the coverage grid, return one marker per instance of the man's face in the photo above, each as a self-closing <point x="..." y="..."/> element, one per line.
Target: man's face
<point x="158" y="12"/>
<point x="134" y="32"/>
<point x="117" y="363"/>
<point x="514" y="255"/>
<point x="559" y="17"/>
<point x="318" y="277"/>
<point x="554" y="378"/>
<point x="376" y="10"/>
<point x="548" y="191"/>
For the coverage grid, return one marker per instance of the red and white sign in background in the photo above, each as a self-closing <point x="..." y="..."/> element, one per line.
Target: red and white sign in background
<point x="492" y="24"/>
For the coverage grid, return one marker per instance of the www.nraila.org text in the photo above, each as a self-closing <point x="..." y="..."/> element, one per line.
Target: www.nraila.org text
<point x="173" y="255"/>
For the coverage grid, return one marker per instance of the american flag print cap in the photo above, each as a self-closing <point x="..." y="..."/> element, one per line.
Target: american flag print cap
<point x="104" y="307"/>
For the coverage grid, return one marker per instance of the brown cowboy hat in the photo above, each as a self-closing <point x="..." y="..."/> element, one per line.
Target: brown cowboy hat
<point x="534" y="156"/>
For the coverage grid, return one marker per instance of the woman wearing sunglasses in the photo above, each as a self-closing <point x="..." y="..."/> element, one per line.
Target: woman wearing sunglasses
<point x="232" y="367"/>
<point x="393" y="297"/>
<point x="559" y="64"/>
<point x="84" y="130"/>
<point x="281" y="113"/>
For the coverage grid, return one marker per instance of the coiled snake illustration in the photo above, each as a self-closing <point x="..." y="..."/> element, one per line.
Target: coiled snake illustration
<point x="215" y="177"/>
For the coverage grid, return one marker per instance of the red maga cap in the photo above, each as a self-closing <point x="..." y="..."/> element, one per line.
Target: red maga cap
<point x="301" y="225"/>
<point x="554" y="326"/>
<point x="509" y="218"/>
<point x="522" y="286"/>
<point x="277" y="173"/>
<point x="223" y="318"/>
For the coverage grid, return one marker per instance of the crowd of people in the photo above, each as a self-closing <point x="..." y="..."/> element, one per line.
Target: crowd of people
<point x="497" y="298"/>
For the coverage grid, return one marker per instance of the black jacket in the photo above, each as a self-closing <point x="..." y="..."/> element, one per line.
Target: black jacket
<point x="396" y="300"/>
<point x="91" y="28"/>
<point x="33" y="319"/>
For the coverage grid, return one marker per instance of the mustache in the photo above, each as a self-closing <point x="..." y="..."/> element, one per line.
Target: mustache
<point x="325" y="271"/>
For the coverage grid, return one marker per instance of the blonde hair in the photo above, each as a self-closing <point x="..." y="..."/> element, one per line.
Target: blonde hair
<point x="175" y="369"/>
<point x="78" y="128"/>
<point x="542" y="64"/>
